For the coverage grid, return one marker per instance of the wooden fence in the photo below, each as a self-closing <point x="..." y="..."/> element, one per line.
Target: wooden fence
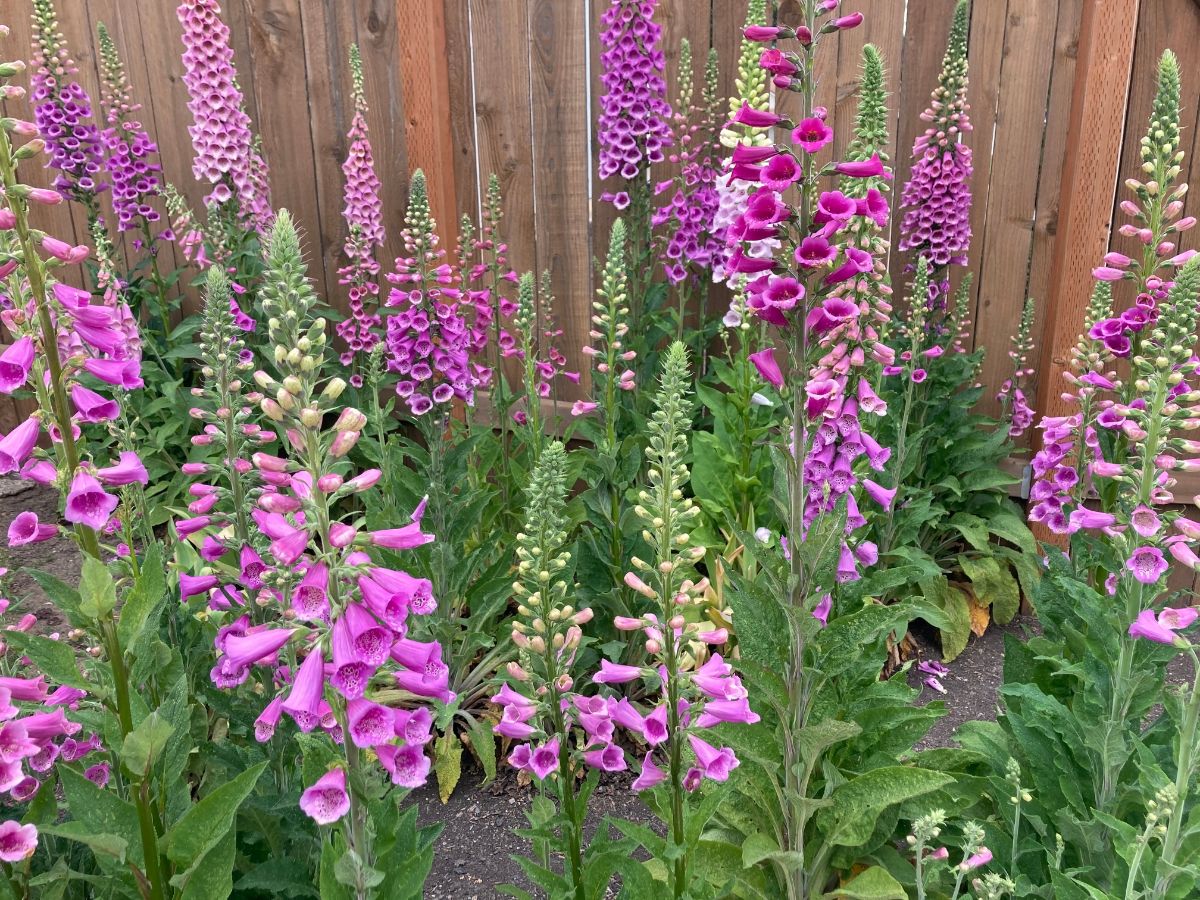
<point x="1060" y="92"/>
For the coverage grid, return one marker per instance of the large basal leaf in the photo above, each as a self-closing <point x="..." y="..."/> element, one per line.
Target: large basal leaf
<point x="55" y="659"/>
<point x="101" y="811"/>
<point x="858" y="803"/>
<point x="206" y="823"/>
<point x="956" y="627"/>
<point x="993" y="583"/>
<point x="875" y="883"/>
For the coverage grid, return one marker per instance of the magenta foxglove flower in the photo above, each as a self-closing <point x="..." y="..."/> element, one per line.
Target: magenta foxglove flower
<point x="633" y="128"/>
<point x="1147" y="564"/>
<point x="225" y="152"/>
<point x="26" y="529"/>
<point x="63" y="111"/>
<point x="16" y="446"/>
<point x="88" y="504"/>
<point x="1162" y="628"/>
<point x="15" y="364"/>
<point x="128" y="470"/>
<point x="716" y="764"/>
<point x="650" y="776"/>
<point x="408" y="765"/>
<point x="17" y="841"/>
<point x="767" y="366"/>
<point x="326" y="800"/>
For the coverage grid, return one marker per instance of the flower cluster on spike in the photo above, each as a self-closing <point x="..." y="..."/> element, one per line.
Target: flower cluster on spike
<point x="1017" y="410"/>
<point x="937" y="198"/>
<point x="226" y="153"/>
<point x="225" y="407"/>
<point x="67" y="346"/>
<point x="830" y="287"/>
<point x="534" y="335"/>
<point x="363" y="212"/>
<point x="36" y="733"/>
<point x="634" y="128"/>
<point x="690" y="700"/>
<point x="63" y="112"/>
<point x="427" y="339"/>
<point x="132" y="165"/>
<point x="1071" y="462"/>
<point x="545" y="710"/>
<point x="483" y="264"/>
<point x="690" y="213"/>
<point x="732" y="192"/>
<point x="306" y="599"/>
<point x="608" y="331"/>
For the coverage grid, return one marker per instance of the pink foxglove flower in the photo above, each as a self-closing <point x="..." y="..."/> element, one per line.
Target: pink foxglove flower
<point x="17" y="841"/>
<point x="326" y="800"/>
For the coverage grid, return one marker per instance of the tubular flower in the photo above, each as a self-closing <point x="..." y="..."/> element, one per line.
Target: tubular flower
<point x="63" y="112"/>
<point x="364" y="219"/>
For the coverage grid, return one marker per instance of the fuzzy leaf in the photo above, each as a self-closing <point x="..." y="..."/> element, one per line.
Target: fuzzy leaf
<point x="447" y="764"/>
<point x="97" y="590"/>
<point x="858" y="803"/>
<point x="55" y="659"/>
<point x="206" y="824"/>
<point x="956" y="626"/>
<point x="143" y="745"/>
<point x="145" y="600"/>
<point x="99" y="811"/>
<point x="875" y="883"/>
<point x="101" y="844"/>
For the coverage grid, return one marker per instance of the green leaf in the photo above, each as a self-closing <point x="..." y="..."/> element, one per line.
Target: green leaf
<point x="994" y="584"/>
<point x="146" y="598"/>
<point x="956" y="628"/>
<point x="815" y="739"/>
<point x="211" y="876"/>
<point x="351" y="871"/>
<point x="1009" y="526"/>
<point x="973" y="529"/>
<point x="483" y="745"/>
<point x="987" y="479"/>
<point x="759" y="847"/>
<point x="101" y="844"/>
<point x="875" y="883"/>
<point x="54" y="658"/>
<point x="99" y="811"/>
<point x="206" y="823"/>
<point x="97" y="590"/>
<point x="447" y="764"/>
<point x="143" y="745"/>
<point x="64" y="597"/>
<point x="858" y="802"/>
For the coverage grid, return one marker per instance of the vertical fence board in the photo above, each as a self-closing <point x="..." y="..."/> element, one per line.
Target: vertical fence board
<point x="1006" y="246"/>
<point x="560" y="127"/>
<point x="378" y="35"/>
<point x="1090" y="172"/>
<point x="1046" y="216"/>
<point x="726" y="19"/>
<point x="281" y="88"/>
<point x="459" y="60"/>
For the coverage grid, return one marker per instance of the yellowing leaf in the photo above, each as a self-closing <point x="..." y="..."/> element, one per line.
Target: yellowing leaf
<point x="981" y="615"/>
<point x="447" y="764"/>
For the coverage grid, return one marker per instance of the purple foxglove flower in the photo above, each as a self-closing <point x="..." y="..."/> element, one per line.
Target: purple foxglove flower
<point x="88" y="504"/>
<point x="815" y="250"/>
<point x="408" y="765"/>
<point x="268" y="719"/>
<point x="1145" y="521"/>
<point x="506" y="696"/>
<point x="881" y="495"/>
<point x="327" y="801"/>
<point x="370" y="723"/>
<point x="288" y="548"/>
<point x="303" y="702"/>
<point x="821" y="611"/>
<point x="26" y="529"/>
<point x="15" y="363"/>
<point x="49" y="725"/>
<point x="419" y="591"/>
<point x="717" y="711"/>
<point x="414" y="726"/>
<point x="650" y="775"/>
<point x="350" y="674"/>
<point x="15" y="743"/>
<point x="871" y="168"/>
<point x="92" y="407"/>
<point x="310" y="599"/>
<point x="16" y="446"/>
<point x="1162" y="628"/>
<point x="17" y="841"/>
<point x="98" y="774"/>
<point x="513" y="722"/>
<point x="812" y="134"/>
<point x="982" y="858"/>
<point x="1182" y="553"/>
<point x="256" y="646"/>
<point x="403" y="538"/>
<point x="128" y="470"/>
<point x="424" y="673"/>
<point x="192" y="585"/>
<point x="544" y="759"/>
<point x="613" y="673"/>
<point x="935" y="683"/>
<point x="654" y="725"/>
<point x="768" y="368"/>
<point x="65" y="695"/>
<point x="42" y="471"/>
<point x="11" y="774"/>
<point x="609" y="758"/>
<point x="252" y="568"/>
<point x="372" y="641"/>
<point x="1147" y="564"/>
<point x="716" y="763"/>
